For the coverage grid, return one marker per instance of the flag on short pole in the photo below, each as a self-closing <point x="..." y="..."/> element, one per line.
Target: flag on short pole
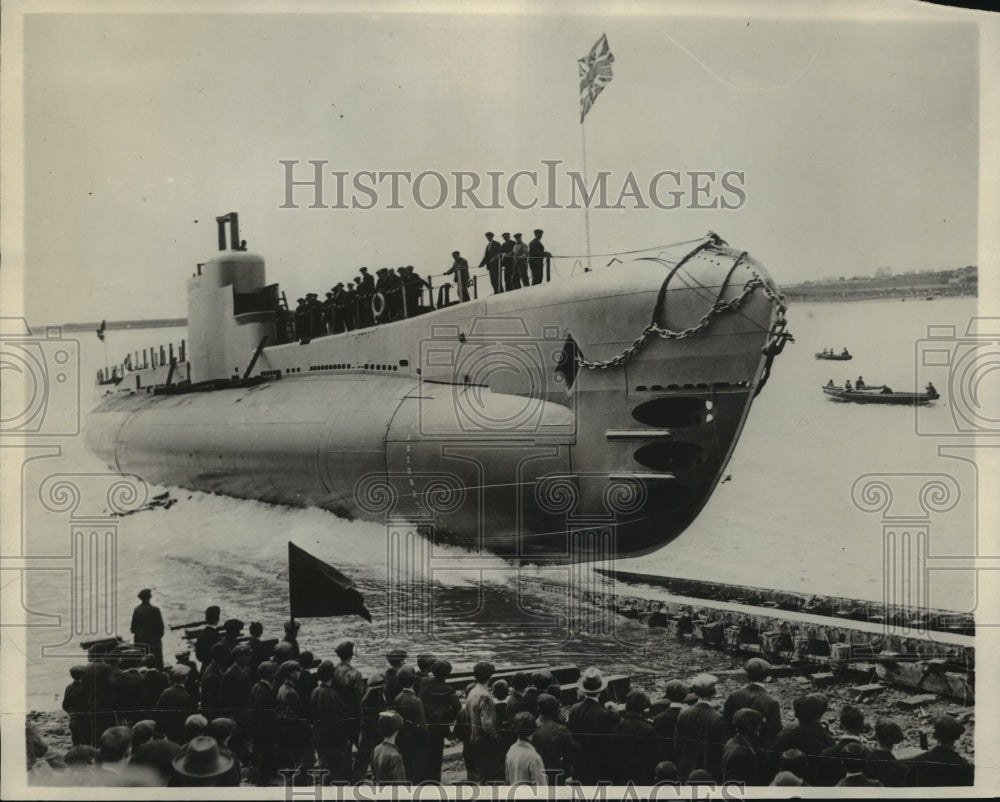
<point x="100" y="330"/>
<point x="595" y="74"/>
<point x="318" y="590"/>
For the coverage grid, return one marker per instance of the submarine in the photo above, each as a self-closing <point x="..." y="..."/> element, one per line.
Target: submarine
<point x="582" y="417"/>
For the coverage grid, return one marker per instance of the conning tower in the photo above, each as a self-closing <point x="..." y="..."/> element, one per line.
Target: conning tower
<point x="230" y="308"/>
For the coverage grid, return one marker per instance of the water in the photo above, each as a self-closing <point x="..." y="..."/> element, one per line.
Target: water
<point x="785" y="520"/>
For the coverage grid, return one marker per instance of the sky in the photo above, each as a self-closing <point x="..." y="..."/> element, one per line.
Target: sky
<point x="854" y="142"/>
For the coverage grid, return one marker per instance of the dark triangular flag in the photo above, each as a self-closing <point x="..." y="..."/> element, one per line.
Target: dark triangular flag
<point x="318" y="590"/>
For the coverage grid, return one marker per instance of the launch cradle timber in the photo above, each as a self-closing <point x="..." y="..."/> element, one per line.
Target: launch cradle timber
<point x="608" y="401"/>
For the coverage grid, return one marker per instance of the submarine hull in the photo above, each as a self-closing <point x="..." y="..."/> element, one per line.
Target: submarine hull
<point x="512" y="424"/>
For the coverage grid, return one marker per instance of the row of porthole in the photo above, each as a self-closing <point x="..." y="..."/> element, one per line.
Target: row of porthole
<point x="656" y="388"/>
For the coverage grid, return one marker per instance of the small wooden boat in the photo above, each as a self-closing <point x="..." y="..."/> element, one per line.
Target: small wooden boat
<point x="881" y="394"/>
<point x="843" y="356"/>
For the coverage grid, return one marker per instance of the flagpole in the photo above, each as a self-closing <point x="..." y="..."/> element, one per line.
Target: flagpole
<point x="586" y="183"/>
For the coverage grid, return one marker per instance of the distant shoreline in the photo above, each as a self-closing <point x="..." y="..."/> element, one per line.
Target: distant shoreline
<point x="117" y="325"/>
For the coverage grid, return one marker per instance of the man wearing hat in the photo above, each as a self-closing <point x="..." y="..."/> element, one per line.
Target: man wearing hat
<point x="852" y="759"/>
<point x="396" y="658"/>
<point x="536" y="256"/>
<point x="882" y="764"/>
<point x="235" y="690"/>
<point x="507" y="271"/>
<point x="232" y="630"/>
<point x="307" y="679"/>
<point x="332" y="749"/>
<point x="147" y="626"/>
<point x="193" y="684"/>
<point x="291" y="638"/>
<point x="211" y="680"/>
<point x="484" y="733"/>
<point x="174" y="706"/>
<point x="373" y="703"/>
<point x="741" y="761"/>
<point x="208" y="636"/>
<point x="808" y="735"/>
<point x="592" y="724"/>
<point x="296" y="731"/>
<point x="636" y="742"/>
<point x="441" y="706"/>
<point x="701" y="732"/>
<point x="387" y="762"/>
<point x="559" y="750"/>
<point x="262" y="702"/>
<point x="460" y="268"/>
<point x="523" y="763"/>
<point x="942" y="765"/>
<point x="665" y="722"/>
<point x="201" y="763"/>
<point x="412" y="740"/>
<point x="491" y="261"/>
<point x="755" y="696"/>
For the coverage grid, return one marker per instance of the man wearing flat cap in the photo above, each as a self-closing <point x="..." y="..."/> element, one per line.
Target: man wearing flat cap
<point x="147" y="626"/>
<point x="460" y="269"/>
<point x="636" y="743"/>
<point x="174" y="706"/>
<point x="942" y="765"/>
<point x="755" y="696"/>
<point x="396" y="658"/>
<point x="333" y="751"/>
<point x="262" y="702"/>
<point x="235" y="689"/>
<point x="592" y="724"/>
<point x="372" y="704"/>
<point x="741" y="760"/>
<point x="701" y="732"/>
<point x="387" y="762"/>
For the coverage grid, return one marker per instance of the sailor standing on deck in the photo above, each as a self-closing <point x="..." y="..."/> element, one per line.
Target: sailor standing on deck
<point x="460" y="268"/>
<point x="510" y="279"/>
<point x="536" y="256"/>
<point x="520" y="254"/>
<point x="147" y="626"/>
<point x="491" y="261"/>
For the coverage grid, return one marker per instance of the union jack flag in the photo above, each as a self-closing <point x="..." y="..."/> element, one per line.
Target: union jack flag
<point x="595" y="74"/>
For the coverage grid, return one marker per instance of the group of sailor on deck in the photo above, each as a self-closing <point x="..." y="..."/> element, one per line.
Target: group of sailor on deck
<point x="399" y="294"/>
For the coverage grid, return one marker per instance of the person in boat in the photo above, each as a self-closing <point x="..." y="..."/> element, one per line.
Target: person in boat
<point x="844" y="352"/>
<point x="859" y="384"/>
<point x="847" y="385"/>
<point x="886" y="390"/>
<point x="830" y="383"/>
<point x="460" y="269"/>
<point x="931" y="390"/>
<point x="826" y="352"/>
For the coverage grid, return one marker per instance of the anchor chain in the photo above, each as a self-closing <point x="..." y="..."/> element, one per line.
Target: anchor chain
<point x="716" y="309"/>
